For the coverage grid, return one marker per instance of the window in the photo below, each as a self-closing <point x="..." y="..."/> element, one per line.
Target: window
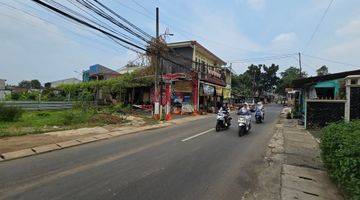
<point x="325" y="93"/>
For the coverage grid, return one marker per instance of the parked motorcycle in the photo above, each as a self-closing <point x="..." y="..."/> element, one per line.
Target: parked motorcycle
<point x="223" y="121"/>
<point x="244" y="122"/>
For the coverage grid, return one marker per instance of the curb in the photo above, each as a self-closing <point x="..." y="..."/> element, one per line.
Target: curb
<point x="71" y="143"/>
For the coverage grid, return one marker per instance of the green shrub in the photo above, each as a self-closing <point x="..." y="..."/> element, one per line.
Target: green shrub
<point x="121" y="108"/>
<point x="75" y="117"/>
<point x="10" y="114"/>
<point x="340" y="151"/>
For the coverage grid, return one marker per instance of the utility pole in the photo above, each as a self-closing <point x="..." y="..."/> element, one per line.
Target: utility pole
<point x="300" y="64"/>
<point x="156" y="89"/>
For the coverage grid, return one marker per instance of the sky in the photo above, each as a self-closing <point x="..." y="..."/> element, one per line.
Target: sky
<point x="37" y="44"/>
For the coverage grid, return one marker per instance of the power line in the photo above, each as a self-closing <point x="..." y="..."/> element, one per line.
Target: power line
<point x="263" y="58"/>
<point x="332" y="61"/>
<point x="185" y="33"/>
<point x="143" y="7"/>
<point x="56" y="10"/>
<point x="318" y="25"/>
<point x="51" y="23"/>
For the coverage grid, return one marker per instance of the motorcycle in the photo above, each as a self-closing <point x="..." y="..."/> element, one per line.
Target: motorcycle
<point x="259" y="115"/>
<point x="244" y="123"/>
<point x="223" y="121"/>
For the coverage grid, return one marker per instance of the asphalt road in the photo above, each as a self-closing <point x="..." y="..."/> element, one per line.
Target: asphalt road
<point x="187" y="161"/>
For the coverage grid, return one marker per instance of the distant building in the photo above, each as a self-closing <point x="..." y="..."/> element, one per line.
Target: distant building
<point x="63" y="81"/>
<point x="99" y="72"/>
<point x="2" y="89"/>
<point x="129" y="69"/>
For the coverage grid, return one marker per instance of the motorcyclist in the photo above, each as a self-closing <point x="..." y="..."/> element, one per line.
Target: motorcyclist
<point x="244" y="110"/>
<point x="260" y="107"/>
<point x="225" y="110"/>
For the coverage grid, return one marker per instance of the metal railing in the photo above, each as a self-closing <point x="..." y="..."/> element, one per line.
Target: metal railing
<point x="40" y="105"/>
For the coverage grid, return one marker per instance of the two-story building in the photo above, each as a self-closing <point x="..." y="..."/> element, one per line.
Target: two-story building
<point x="199" y="79"/>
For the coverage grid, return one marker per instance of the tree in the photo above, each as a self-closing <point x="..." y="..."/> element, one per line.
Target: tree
<point x="25" y="84"/>
<point x="287" y="77"/>
<point x="255" y="80"/>
<point x="269" y="77"/>
<point x="323" y="70"/>
<point x="254" y="73"/>
<point x="47" y="85"/>
<point x="35" y="84"/>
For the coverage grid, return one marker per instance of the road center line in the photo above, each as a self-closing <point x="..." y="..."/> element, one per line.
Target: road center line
<point x="197" y="135"/>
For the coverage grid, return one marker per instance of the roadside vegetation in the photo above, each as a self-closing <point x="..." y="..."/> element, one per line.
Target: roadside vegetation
<point x="15" y="121"/>
<point x="340" y="151"/>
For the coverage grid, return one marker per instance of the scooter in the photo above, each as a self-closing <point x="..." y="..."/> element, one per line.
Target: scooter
<point x="222" y="121"/>
<point x="259" y="115"/>
<point x="244" y="123"/>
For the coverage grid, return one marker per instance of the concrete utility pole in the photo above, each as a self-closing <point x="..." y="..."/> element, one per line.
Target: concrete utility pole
<point x="300" y="64"/>
<point x="156" y="90"/>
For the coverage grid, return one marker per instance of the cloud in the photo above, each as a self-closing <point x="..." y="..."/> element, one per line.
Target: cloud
<point x="284" y="41"/>
<point x="285" y="38"/>
<point x="350" y="29"/>
<point x="346" y="47"/>
<point x="256" y="4"/>
<point x="222" y="30"/>
<point x="35" y="49"/>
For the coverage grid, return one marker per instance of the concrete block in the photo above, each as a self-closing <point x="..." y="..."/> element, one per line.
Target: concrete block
<point x="289" y="194"/>
<point x="309" y="186"/>
<point x="46" y="148"/>
<point x="87" y="139"/>
<point x="102" y="136"/>
<point x="304" y="171"/>
<point x="17" y="154"/>
<point x="68" y="143"/>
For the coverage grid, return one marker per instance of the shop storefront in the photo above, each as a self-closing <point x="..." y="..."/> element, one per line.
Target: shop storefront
<point x="211" y="97"/>
<point x="182" y="97"/>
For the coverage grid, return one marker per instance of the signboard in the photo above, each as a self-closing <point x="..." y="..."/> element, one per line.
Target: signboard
<point x="226" y="93"/>
<point x="219" y="90"/>
<point x="208" y="90"/>
<point x="183" y="86"/>
<point x="214" y="73"/>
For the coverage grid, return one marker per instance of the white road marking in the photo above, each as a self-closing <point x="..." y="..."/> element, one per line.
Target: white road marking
<point x="197" y="135"/>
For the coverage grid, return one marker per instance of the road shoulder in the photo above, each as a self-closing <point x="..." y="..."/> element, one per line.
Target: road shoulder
<point x="28" y="145"/>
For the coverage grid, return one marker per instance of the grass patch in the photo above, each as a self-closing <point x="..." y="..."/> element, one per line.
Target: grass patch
<point x="32" y="122"/>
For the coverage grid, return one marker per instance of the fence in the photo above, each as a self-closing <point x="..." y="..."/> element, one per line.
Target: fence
<point x="40" y="105"/>
<point x="321" y="112"/>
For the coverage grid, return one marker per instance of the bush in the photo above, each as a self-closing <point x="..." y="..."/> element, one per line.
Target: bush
<point x="75" y="117"/>
<point x="120" y="108"/>
<point x="10" y="114"/>
<point x="340" y="151"/>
